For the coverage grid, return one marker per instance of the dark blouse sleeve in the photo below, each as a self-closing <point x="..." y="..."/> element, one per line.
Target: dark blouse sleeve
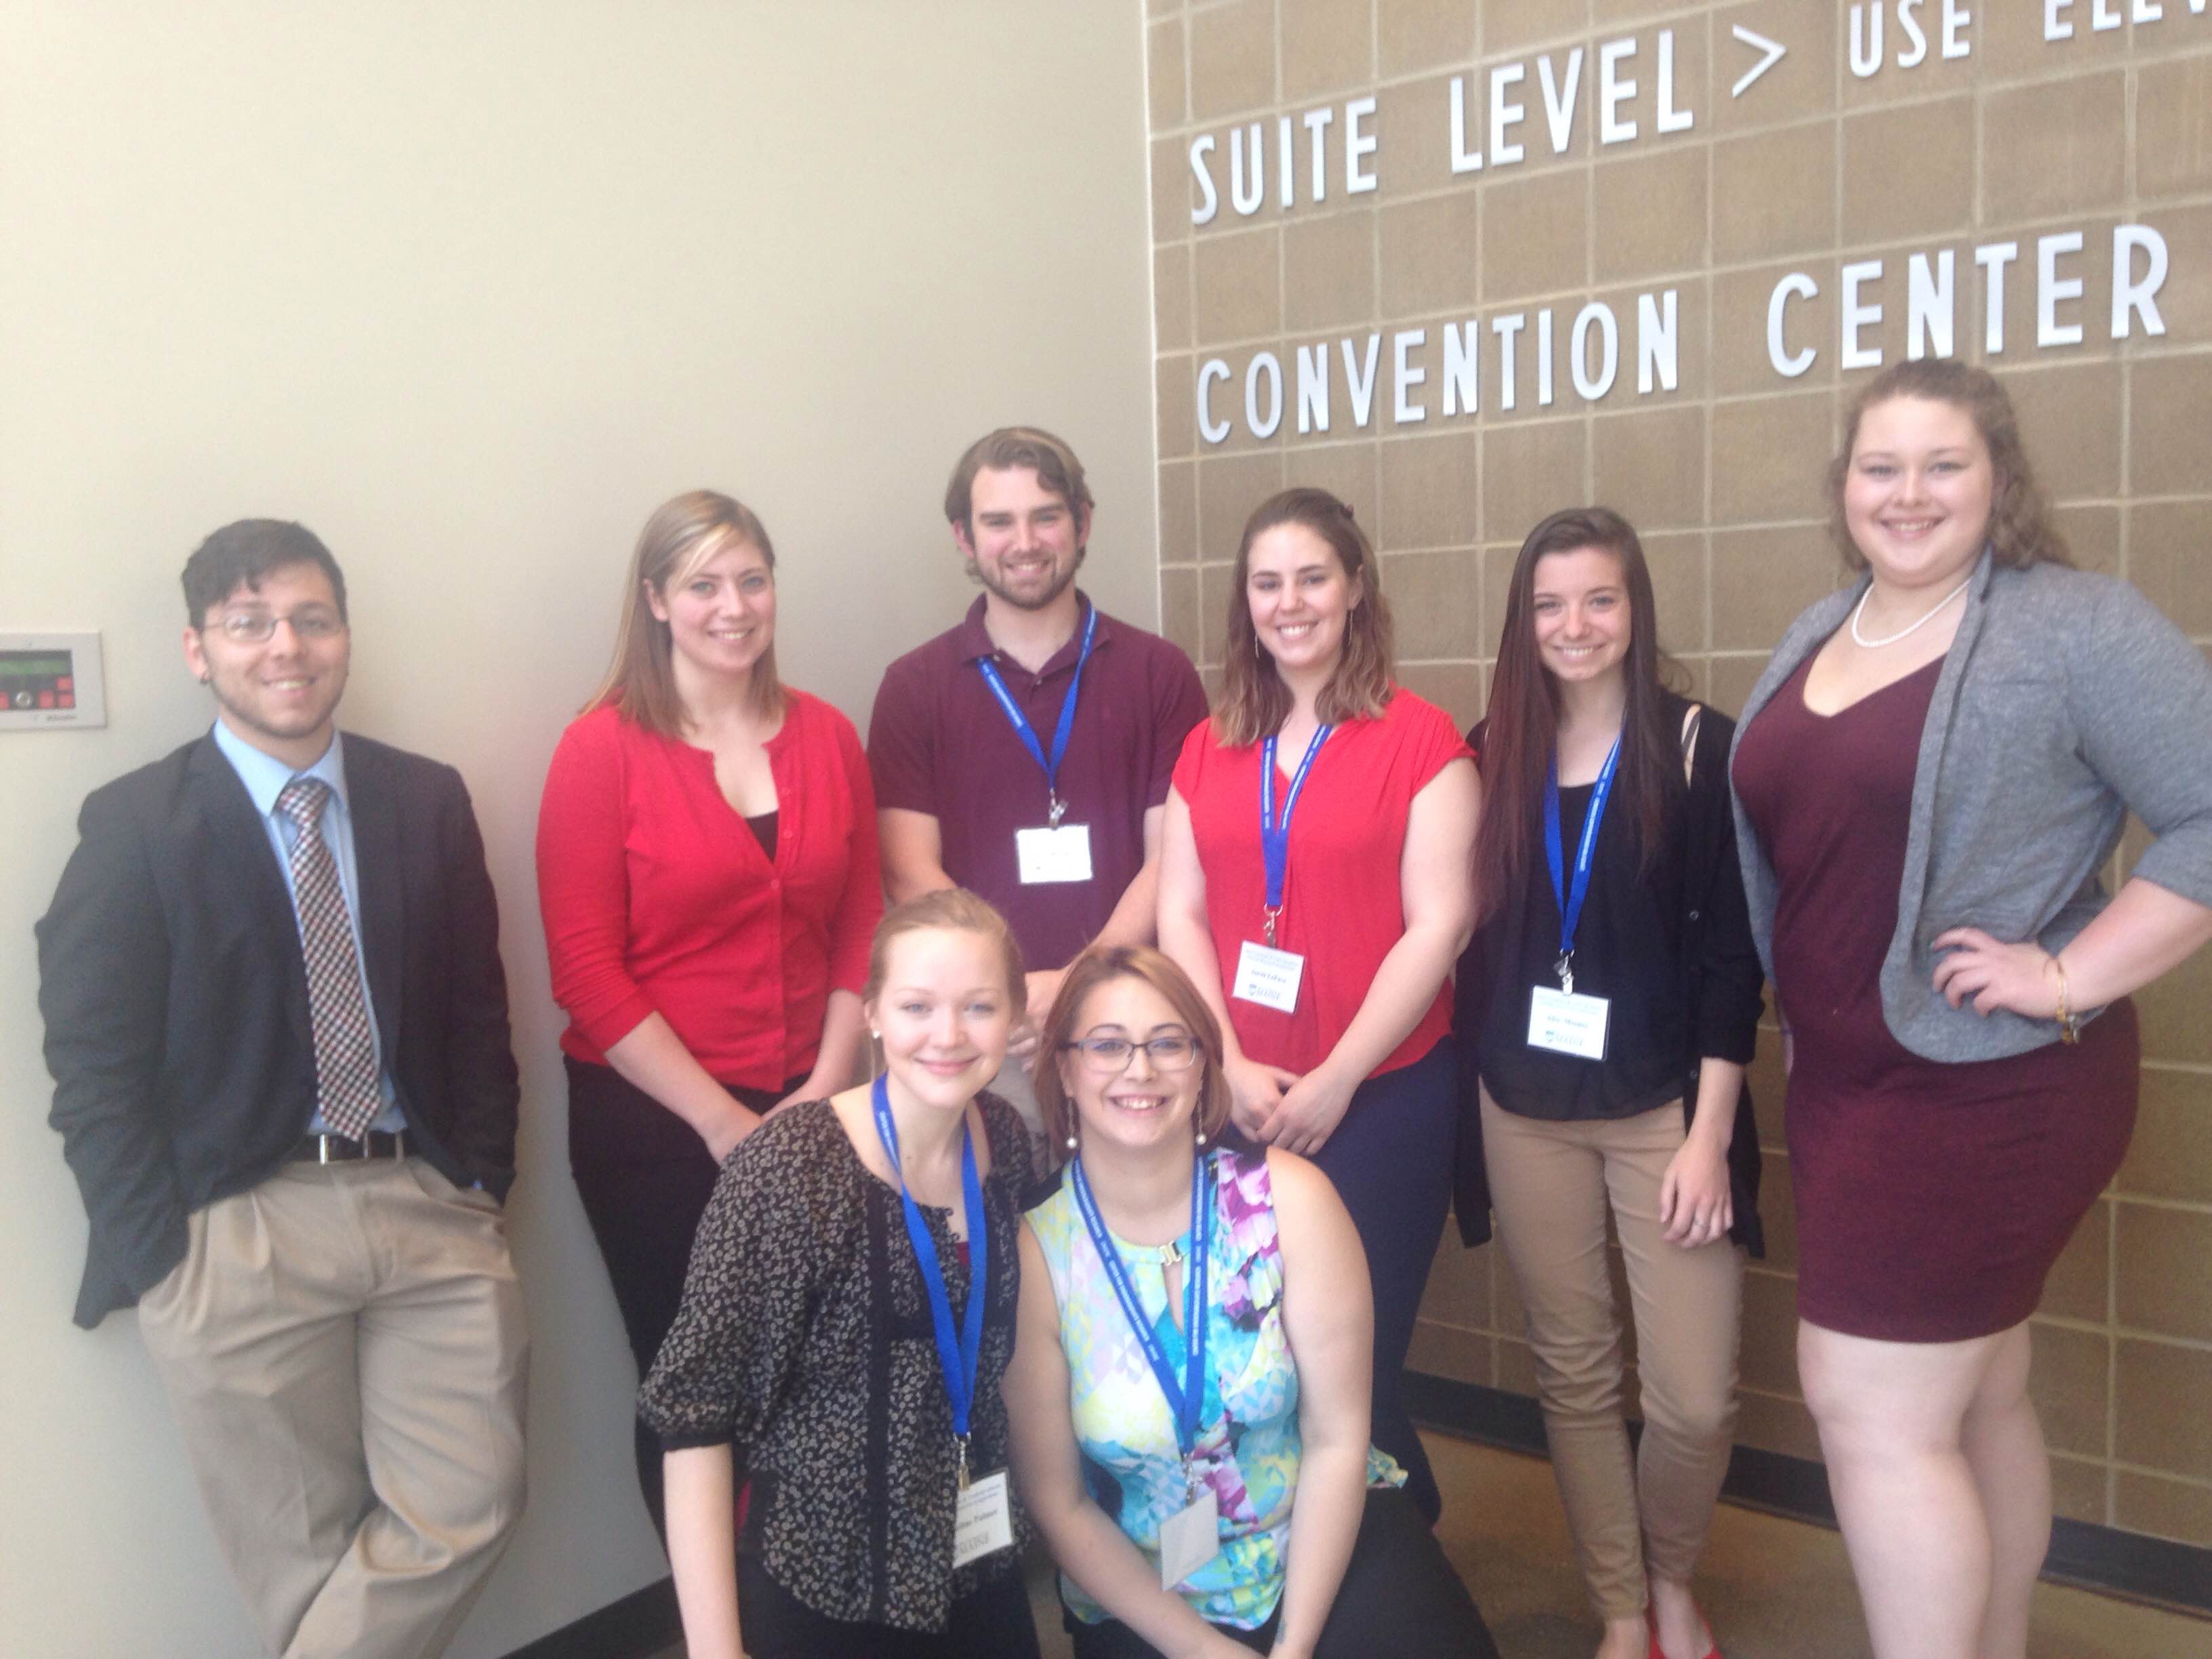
<point x="1013" y="1153"/>
<point x="740" y="1330"/>
<point x="1725" y="1023"/>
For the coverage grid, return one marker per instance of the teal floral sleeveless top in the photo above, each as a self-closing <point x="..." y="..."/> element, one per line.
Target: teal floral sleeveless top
<point x="1248" y="1449"/>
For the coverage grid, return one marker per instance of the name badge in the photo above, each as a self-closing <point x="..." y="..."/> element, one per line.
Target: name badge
<point x="984" y="1521"/>
<point x="1567" y="1025"/>
<point x="1189" y="1539"/>
<point x="1268" y="976"/>
<point x="1047" y="855"/>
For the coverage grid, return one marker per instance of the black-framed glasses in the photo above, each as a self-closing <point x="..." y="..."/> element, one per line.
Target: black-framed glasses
<point x="258" y="627"/>
<point x="1169" y="1052"/>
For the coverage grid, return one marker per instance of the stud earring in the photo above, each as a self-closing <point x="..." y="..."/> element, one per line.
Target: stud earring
<point x="1071" y="1135"/>
<point x="1201" y="1133"/>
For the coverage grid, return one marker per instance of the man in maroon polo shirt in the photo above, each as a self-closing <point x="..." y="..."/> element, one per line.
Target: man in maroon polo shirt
<point x="986" y="778"/>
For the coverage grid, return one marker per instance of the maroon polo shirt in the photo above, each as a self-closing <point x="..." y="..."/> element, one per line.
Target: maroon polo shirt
<point x="939" y="743"/>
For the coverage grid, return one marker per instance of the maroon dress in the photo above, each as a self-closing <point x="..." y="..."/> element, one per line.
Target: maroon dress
<point x="1932" y="1197"/>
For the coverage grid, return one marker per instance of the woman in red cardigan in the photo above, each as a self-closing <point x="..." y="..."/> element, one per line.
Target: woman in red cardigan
<point x="708" y="875"/>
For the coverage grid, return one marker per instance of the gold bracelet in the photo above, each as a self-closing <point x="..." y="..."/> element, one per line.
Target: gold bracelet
<point x="2069" y="1031"/>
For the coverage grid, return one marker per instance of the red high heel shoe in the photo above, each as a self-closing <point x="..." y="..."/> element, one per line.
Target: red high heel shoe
<point x="1657" y="1652"/>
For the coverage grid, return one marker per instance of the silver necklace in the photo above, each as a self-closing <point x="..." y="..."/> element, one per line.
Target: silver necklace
<point x="1859" y="610"/>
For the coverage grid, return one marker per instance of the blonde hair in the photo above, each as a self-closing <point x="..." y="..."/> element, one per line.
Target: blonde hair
<point x="1102" y="965"/>
<point x="1255" y="701"/>
<point x="956" y="908"/>
<point x="682" y="534"/>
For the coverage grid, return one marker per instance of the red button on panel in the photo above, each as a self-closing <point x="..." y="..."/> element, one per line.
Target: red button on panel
<point x="45" y="700"/>
<point x="66" y="700"/>
<point x="65" y="684"/>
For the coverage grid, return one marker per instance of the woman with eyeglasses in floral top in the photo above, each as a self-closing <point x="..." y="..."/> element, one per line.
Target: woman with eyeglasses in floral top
<point x="1187" y="1401"/>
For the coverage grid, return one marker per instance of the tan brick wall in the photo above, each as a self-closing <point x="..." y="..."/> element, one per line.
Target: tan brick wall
<point x="1812" y="170"/>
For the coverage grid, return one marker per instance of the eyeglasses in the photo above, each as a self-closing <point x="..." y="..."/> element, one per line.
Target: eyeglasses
<point x="258" y="627"/>
<point x="1113" y="1053"/>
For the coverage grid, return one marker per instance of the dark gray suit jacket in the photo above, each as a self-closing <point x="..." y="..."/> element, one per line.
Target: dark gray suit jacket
<point x="175" y="996"/>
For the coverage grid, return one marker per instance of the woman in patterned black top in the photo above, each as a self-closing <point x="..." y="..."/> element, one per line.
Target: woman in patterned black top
<point x="805" y="1361"/>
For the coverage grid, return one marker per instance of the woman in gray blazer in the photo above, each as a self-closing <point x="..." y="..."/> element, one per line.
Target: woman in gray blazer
<point x="1931" y="776"/>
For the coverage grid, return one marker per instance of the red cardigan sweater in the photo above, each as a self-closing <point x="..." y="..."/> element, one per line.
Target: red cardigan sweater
<point x="656" y="898"/>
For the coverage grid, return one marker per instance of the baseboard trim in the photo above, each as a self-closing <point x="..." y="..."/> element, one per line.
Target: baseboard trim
<point x="641" y="1624"/>
<point x="2174" y="1575"/>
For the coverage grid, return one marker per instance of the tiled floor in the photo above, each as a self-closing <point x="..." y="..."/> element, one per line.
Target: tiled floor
<point x="1773" y="1588"/>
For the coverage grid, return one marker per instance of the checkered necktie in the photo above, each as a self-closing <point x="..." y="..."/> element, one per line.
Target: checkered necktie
<point x="346" y="1056"/>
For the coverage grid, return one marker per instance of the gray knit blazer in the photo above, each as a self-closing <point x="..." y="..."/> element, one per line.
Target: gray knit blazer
<point x="2066" y="700"/>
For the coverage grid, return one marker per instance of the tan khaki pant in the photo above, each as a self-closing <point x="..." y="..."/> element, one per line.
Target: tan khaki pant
<point x="344" y="1350"/>
<point x="1550" y="1186"/>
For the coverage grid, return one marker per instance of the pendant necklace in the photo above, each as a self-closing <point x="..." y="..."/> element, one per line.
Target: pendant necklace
<point x="1859" y="610"/>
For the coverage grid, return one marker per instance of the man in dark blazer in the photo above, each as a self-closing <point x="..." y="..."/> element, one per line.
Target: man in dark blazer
<point x="277" y="1025"/>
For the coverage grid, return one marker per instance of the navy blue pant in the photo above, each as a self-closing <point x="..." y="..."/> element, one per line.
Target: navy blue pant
<point x="1391" y="1161"/>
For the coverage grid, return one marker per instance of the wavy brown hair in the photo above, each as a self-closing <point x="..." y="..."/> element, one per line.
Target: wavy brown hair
<point x="682" y="534"/>
<point x="1520" y="732"/>
<point x="1255" y="701"/>
<point x="1032" y="447"/>
<point x="2021" y="531"/>
<point x="1101" y="965"/>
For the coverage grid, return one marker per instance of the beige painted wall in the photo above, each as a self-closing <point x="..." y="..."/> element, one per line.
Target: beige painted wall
<point x="2026" y="122"/>
<point x="469" y="286"/>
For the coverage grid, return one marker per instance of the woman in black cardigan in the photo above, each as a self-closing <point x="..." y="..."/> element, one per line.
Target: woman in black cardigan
<point x="1612" y="994"/>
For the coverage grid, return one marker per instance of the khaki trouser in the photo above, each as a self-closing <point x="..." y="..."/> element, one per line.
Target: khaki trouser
<point x="344" y="1349"/>
<point x="1550" y="1186"/>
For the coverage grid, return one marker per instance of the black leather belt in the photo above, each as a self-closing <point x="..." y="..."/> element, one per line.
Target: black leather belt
<point x="343" y="1149"/>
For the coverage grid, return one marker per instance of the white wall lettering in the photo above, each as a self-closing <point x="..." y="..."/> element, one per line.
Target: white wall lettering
<point x="1930" y="306"/>
<point x="1993" y="257"/>
<point x="1462" y="369"/>
<point x="1360" y="380"/>
<point x="1788" y="364"/>
<point x="1212" y="430"/>
<point x="1859" y="315"/>
<point x="1615" y="90"/>
<point x="1246" y="202"/>
<point x="1599" y="317"/>
<point x="1406" y="376"/>
<point x="1209" y="200"/>
<point x="1313" y="389"/>
<point x="2051" y="289"/>
<point x="1504" y="115"/>
<point x="1658" y="342"/>
<point x="1263" y="425"/>
<point x="1560" y="99"/>
<point x="1358" y="146"/>
<point x="2132" y="298"/>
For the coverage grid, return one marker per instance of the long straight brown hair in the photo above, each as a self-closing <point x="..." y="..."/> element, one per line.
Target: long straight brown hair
<point x="1255" y="701"/>
<point x="682" y="533"/>
<point x="1522" y="731"/>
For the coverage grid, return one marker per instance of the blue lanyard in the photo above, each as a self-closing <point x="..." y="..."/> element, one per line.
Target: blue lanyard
<point x="956" y="1356"/>
<point x="1570" y="900"/>
<point x="1027" y="733"/>
<point x="1186" y="1400"/>
<point x="1275" y="838"/>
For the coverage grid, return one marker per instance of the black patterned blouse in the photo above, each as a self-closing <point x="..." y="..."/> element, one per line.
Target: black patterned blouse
<point x="804" y="1341"/>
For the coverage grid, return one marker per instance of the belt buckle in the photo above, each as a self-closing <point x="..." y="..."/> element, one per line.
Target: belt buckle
<point x="325" y="1141"/>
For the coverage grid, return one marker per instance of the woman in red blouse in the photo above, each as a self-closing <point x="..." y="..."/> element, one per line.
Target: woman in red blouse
<point x="1317" y="883"/>
<point x="708" y="876"/>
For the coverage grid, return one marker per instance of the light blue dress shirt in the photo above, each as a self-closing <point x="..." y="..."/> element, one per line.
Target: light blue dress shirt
<point x="265" y="777"/>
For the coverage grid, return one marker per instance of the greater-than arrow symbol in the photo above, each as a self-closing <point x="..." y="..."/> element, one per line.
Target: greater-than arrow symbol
<point x="1771" y="52"/>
